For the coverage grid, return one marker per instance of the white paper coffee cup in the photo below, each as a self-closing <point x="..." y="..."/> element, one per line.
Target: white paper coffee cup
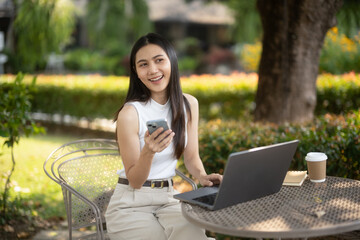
<point x="316" y="164"/>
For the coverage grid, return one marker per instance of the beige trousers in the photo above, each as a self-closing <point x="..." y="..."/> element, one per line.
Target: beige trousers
<point x="148" y="213"/>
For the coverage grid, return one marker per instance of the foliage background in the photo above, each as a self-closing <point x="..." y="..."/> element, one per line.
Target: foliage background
<point x="231" y="99"/>
<point x="337" y="136"/>
<point x="46" y="26"/>
<point x="340" y="54"/>
<point x="219" y="96"/>
<point x="112" y="28"/>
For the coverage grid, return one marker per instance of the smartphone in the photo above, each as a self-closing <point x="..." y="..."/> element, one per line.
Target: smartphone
<point x="152" y="125"/>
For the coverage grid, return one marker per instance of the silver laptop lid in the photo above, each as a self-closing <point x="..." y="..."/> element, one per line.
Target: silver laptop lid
<point x="255" y="173"/>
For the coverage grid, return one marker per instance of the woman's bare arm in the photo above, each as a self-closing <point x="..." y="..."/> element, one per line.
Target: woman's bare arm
<point x="138" y="163"/>
<point x="192" y="159"/>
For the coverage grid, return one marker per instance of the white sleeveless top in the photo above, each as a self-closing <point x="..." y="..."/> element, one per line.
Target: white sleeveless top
<point x="164" y="163"/>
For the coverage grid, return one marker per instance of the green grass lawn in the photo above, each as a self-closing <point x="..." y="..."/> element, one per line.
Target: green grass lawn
<point x="29" y="182"/>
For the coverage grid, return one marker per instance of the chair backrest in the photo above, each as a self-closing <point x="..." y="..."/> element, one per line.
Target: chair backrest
<point x="89" y="167"/>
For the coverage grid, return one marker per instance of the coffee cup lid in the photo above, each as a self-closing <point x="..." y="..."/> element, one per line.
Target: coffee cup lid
<point x="315" y="156"/>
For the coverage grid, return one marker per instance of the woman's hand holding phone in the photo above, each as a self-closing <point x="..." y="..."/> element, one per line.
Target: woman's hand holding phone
<point x="159" y="136"/>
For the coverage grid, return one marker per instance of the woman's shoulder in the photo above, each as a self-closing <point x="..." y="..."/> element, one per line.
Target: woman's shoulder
<point x="127" y="114"/>
<point x="192" y="100"/>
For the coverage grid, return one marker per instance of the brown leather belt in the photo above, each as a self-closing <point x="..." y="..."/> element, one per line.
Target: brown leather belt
<point x="149" y="183"/>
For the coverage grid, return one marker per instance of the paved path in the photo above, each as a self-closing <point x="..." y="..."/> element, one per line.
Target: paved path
<point x="63" y="235"/>
<point x="54" y="235"/>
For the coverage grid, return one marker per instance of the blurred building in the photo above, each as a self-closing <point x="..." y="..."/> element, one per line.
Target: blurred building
<point x="177" y="19"/>
<point x="209" y="22"/>
<point x="197" y="28"/>
<point x="6" y="14"/>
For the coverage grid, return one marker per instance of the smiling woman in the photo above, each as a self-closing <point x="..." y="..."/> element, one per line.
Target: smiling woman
<point x="153" y="68"/>
<point x="136" y="209"/>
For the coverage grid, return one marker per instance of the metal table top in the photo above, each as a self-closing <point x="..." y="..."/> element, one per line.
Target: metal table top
<point x="314" y="209"/>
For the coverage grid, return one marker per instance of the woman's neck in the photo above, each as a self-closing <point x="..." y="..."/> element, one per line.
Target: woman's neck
<point x="160" y="99"/>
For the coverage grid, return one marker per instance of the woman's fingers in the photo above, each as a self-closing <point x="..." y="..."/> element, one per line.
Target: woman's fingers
<point x="159" y="140"/>
<point x="215" y="178"/>
<point x="164" y="140"/>
<point x="211" y="180"/>
<point x="157" y="133"/>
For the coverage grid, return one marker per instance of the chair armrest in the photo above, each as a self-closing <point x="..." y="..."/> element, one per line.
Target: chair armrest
<point x="187" y="179"/>
<point x="84" y="199"/>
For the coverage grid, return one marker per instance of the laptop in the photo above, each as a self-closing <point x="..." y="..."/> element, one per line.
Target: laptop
<point x="248" y="175"/>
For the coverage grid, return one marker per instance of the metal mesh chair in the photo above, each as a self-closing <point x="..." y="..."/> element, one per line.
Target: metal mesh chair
<point x="86" y="171"/>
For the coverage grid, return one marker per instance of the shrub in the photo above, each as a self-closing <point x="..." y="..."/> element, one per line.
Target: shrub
<point x="340" y="54"/>
<point x="40" y="27"/>
<point x="250" y="56"/>
<point x="84" y="60"/>
<point x="219" y="96"/>
<point x="222" y="96"/>
<point x="337" y="93"/>
<point x="188" y="64"/>
<point x="337" y="136"/>
<point x="15" y="122"/>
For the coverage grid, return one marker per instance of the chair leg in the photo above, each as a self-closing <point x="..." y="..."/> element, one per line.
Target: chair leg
<point x="99" y="226"/>
<point x="69" y="215"/>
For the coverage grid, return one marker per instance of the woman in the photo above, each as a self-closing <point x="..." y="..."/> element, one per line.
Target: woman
<point x="136" y="210"/>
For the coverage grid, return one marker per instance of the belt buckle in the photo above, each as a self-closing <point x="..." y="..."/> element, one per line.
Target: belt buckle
<point x="153" y="182"/>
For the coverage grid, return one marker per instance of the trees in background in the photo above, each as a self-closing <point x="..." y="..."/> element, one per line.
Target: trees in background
<point x="293" y="38"/>
<point x="294" y="32"/>
<point x="113" y="26"/>
<point x="293" y="35"/>
<point x="349" y="18"/>
<point x="247" y="27"/>
<point x="39" y="28"/>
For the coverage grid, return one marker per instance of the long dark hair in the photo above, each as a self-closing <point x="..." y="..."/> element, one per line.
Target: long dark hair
<point x="139" y="92"/>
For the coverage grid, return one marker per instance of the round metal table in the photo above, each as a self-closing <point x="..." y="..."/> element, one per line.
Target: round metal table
<point x="314" y="209"/>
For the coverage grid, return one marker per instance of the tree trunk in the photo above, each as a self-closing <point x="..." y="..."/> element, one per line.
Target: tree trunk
<point x="294" y="32"/>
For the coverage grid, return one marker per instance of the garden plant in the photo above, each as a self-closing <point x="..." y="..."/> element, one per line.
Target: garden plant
<point x="15" y="121"/>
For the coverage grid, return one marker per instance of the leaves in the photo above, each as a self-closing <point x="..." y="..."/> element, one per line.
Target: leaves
<point x="336" y="135"/>
<point x="114" y="25"/>
<point x="220" y="96"/>
<point x="15" y="109"/>
<point x="340" y="54"/>
<point x="46" y="26"/>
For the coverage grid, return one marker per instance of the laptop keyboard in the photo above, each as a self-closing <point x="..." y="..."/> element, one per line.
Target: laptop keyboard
<point x="207" y="199"/>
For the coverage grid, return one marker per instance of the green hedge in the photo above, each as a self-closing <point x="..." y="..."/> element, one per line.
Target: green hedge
<point x="84" y="60"/>
<point x="77" y="102"/>
<point x="99" y="103"/>
<point x="338" y="93"/>
<point x="337" y="136"/>
<point x="225" y="97"/>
